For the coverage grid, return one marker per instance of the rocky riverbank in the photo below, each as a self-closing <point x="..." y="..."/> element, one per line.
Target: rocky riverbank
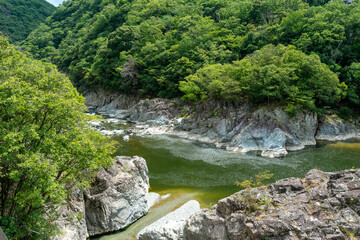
<point x="233" y="127"/>
<point x="118" y="197"/>
<point x="320" y="206"/>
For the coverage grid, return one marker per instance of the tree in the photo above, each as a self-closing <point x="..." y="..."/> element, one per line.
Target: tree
<point x="352" y="78"/>
<point x="47" y="148"/>
<point x="271" y="74"/>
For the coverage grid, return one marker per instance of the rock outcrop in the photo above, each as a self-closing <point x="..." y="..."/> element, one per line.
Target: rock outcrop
<point x="334" y="129"/>
<point x="107" y="102"/>
<point x="170" y="226"/>
<point x="2" y="235"/>
<point x="118" y="197"/>
<point x="242" y="129"/>
<point x="72" y="223"/>
<point x="320" y="206"/>
<point x="154" y="111"/>
<point x="233" y="127"/>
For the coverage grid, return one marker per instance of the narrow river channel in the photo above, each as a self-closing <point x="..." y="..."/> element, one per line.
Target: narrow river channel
<point x="193" y="170"/>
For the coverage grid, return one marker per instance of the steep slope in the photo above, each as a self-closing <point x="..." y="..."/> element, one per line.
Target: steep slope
<point x="19" y="17"/>
<point x="150" y="46"/>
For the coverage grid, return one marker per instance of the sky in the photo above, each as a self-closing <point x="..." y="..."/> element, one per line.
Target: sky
<point x="55" y="2"/>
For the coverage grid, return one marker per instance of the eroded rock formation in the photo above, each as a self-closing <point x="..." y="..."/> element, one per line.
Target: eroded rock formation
<point x="118" y="197"/>
<point x="319" y="206"/>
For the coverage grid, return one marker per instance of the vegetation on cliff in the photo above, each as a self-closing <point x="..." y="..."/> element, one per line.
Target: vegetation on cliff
<point x="46" y="147"/>
<point x="19" y="17"/>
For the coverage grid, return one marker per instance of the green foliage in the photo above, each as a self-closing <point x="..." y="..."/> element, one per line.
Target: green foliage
<point x="250" y="199"/>
<point x="352" y="79"/>
<point x="47" y="148"/>
<point x="19" y="17"/>
<point x="274" y="73"/>
<point x="149" y="47"/>
<point x="167" y="40"/>
<point x="258" y="182"/>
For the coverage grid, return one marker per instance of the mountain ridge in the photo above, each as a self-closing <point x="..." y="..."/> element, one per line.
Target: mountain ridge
<point x="19" y="17"/>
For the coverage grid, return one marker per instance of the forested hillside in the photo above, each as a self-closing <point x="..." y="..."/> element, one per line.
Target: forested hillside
<point x="150" y="46"/>
<point x="19" y="17"/>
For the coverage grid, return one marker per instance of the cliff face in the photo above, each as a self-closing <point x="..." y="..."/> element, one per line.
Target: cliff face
<point x="319" y="206"/>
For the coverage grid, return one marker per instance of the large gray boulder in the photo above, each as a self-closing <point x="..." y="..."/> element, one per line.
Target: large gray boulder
<point x="275" y="144"/>
<point x="207" y="224"/>
<point x="72" y="223"/>
<point x="2" y="235"/>
<point x="336" y="130"/>
<point x="170" y="227"/>
<point x="118" y="196"/>
<point x="319" y="206"/>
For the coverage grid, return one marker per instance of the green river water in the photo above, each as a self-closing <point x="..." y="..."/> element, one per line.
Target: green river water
<point x="193" y="170"/>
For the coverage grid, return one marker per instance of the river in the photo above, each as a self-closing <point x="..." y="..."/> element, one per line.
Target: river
<point x="193" y="170"/>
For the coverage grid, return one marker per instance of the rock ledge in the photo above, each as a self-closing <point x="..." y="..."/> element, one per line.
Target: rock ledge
<point x="320" y="206"/>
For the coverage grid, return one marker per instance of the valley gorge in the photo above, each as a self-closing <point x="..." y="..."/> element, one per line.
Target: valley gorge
<point x="160" y="116"/>
<point x="180" y="120"/>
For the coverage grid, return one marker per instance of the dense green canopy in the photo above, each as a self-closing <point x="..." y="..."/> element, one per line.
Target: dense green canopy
<point x="149" y="46"/>
<point x="46" y="146"/>
<point x="269" y="74"/>
<point x="19" y="17"/>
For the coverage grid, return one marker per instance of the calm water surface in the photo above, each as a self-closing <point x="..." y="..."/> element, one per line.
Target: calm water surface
<point x="193" y="170"/>
<point x="176" y="163"/>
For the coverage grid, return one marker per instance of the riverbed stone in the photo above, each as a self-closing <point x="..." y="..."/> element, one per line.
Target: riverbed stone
<point x="287" y="209"/>
<point x="170" y="226"/>
<point x="118" y="196"/>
